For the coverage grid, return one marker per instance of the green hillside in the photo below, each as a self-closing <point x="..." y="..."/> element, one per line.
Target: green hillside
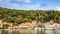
<point x="19" y="16"/>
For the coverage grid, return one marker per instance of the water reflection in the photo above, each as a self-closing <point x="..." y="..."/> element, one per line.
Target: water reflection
<point x="18" y="31"/>
<point x="4" y="32"/>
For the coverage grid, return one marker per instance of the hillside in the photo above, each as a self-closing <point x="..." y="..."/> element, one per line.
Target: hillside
<point x="18" y="16"/>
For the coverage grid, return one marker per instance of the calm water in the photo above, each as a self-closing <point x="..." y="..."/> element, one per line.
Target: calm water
<point x="18" y="31"/>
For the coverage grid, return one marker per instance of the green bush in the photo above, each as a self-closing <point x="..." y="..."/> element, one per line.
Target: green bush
<point x="5" y="25"/>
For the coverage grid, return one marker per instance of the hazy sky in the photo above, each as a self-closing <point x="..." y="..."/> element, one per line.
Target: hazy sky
<point x="30" y="4"/>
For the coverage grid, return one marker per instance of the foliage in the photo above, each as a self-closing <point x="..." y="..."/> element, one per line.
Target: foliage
<point x="5" y="26"/>
<point x="19" y="16"/>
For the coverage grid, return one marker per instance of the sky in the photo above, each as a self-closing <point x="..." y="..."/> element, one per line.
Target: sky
<point x="31" y="4"/>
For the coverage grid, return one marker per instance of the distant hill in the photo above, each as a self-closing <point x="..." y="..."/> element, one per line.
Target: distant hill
<point x="19" y="16"/>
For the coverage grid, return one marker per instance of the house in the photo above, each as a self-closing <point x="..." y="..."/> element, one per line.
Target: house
<point x="34" y="23"/>
<point x="26" y="24"/>
<point x="0" y="23"/>
<point x="46" y="23"/>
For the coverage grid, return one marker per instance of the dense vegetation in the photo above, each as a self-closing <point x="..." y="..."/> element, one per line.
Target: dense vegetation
<point x="18" y="16"/>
